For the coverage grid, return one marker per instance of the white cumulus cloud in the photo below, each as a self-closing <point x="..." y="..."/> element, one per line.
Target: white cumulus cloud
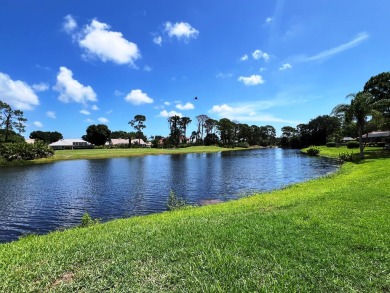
<point x="95" y="108"/>
<point x="165" y="113"/>
<point x="257" y="54"/>
<point x="251" y="80"/>
<point x="137" y="97"/>
<point x="186" y="106"/>
<point x="17" y="93"/>
<point x="181" y="30"/>
<point x="99" y="41"/>
<point x="71" y="90"/>
<point x="285" y="66"/>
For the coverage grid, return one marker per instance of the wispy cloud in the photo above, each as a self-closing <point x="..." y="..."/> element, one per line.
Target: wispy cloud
<point x="51" y="114"/>
<point x="333" y="51"/>
<point x="285" y="66"/>
<point x="252" y="111"/>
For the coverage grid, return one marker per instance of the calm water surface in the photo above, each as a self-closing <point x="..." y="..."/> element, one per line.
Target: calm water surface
<point x="42" y="198"/>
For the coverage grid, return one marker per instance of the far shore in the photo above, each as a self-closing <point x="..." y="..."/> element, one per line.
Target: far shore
<point x="98" y="153"/>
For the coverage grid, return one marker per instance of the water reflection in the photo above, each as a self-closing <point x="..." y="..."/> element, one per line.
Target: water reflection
<point x="41" y="198"/>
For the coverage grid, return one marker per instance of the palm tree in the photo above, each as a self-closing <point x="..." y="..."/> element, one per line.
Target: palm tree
<point x="138" y="124"/>
<point x="361" y="107"/>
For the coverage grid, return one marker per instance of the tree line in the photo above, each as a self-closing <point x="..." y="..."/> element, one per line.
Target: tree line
<point x="368" y="110"/>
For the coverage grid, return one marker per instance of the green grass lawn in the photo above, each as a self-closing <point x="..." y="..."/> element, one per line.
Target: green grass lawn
<point x="80" y="154"/>
<point x="324" y="235"/>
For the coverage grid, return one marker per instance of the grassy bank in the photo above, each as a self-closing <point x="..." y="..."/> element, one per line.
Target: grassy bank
<point x="79" y="154"/>
<point x="325" y="235"/>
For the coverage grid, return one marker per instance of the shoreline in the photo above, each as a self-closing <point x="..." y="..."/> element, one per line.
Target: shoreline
<point x="307" y="229"/>
<point x="91" y="154"/>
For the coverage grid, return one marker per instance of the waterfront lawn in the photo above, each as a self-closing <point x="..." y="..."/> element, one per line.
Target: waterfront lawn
<point x="325" y="235"/>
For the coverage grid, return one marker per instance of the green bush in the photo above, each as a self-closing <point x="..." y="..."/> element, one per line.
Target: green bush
<point x="175" y="202"/>
<point x="353" y="145"/>
<point x="347" y="157"/>
<point x="87" y="221"/>
<point x="25" y="151"/>
<point x="243" y="144"/>
<point x="331" y="144"/>
<point x="313" y="151"/>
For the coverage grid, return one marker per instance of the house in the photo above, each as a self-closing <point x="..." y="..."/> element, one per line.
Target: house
<point x="30" y="140"/>
<point x="139" y="142"/>
<point x="347" y="139"/>
<point x="377" y="136"/>
<point x="118" y="141"/>
<point x="70" y="144"/>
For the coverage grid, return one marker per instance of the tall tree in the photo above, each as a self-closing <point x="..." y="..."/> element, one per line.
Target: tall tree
<point x="97" y="134"/>
<point x="138" y="124"/>
<point x="225" y="128"/>
<point x="11" y="119"/>
<point x="201" y="124"/>
<point x="379" y="87"/>
<point x="175" y="131"/>
<point x="360" y="108"/>
<point x="46" y="136"/>
<point x="184" y="122"/>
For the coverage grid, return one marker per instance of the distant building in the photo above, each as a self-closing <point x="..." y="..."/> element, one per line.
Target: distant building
<point x="70" y="144"/>
<point x="118" y="141"/>
<point x="347" y="139"/>
<point x="377" y="136"/>
<point x="30" y="140"/>
<point x="140" y="142"/>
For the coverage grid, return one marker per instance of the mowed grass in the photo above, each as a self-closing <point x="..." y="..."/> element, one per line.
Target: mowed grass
<point x="325" y="235"/>
<point x="80" y="154"/>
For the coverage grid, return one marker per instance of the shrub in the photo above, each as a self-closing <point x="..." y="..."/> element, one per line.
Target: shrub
<point x="347" y="157"/>
<point x="243" y="144"/>
<point x="353" y="144"/>
<point x="331" y="144"/>
<point x="87" y="221"/>
<point x="175" y="202"/>
<point x="313" y="151"/>
<point x="25" y="151"/>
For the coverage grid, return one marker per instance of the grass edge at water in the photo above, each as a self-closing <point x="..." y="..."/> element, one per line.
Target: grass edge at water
<point x="327" y="234"/>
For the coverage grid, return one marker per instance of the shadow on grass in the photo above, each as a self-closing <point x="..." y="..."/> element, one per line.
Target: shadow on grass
<point x="372" y="155"/>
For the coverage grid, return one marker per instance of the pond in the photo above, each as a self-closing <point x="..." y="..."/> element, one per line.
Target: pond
<point x="42" y="198"/>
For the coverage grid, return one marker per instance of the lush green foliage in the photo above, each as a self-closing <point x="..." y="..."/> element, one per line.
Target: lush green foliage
<point x="331" y="144"/>
<point x="25" y="151"/>
<point x="353" y="145"/>
<point x="87" y="221"/>
<point x="325" y="235"/>
<point x="97" y="134"/>
<point x="46" y="136"/>
<point x="175" y="201"/>
<point x="347" y="157"/>
<point x="313" y="151"/>
<point x="10" y="119"/>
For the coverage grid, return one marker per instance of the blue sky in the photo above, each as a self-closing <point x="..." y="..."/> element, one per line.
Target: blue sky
<point x="70" y="64"/>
